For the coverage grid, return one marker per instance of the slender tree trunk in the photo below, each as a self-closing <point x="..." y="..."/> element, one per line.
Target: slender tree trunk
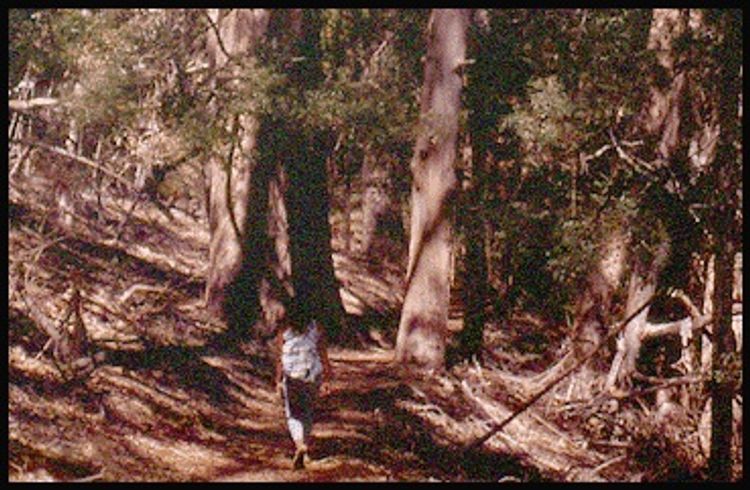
<point x="725" y="238"/>
<point x="422" y="328"/>
<point x="722" y="387"/>
<point x="375" y="204"/>
<point x="482" y="125"/>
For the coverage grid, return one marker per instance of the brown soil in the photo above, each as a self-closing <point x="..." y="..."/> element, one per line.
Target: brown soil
<point x="215" y="418"/>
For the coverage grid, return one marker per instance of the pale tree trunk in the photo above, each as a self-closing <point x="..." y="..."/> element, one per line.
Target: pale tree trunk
<point x="229" y="176"/>
<point x="641" y="289"/>
<point x="660" y="119"/>
<point x="593" y="307"/>
<point x="422" y="328"/>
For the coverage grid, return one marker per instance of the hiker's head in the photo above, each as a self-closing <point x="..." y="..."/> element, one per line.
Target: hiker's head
<point x="299" y="315"/>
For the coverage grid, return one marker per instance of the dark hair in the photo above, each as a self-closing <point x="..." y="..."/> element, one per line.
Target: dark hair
<point x="298" y="315"/>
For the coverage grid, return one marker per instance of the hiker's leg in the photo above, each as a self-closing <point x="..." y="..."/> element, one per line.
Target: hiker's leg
<point x="292" y="411"/>
<point x="311" y="394"/>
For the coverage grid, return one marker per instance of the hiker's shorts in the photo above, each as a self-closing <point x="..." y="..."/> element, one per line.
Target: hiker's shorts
<point x="299" y="402"/>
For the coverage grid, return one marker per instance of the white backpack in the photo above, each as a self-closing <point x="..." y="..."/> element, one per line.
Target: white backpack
<point x="300" y="359"/>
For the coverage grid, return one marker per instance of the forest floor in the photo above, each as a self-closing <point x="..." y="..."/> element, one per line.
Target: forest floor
<point x="163" y="402"/>
<point x="216" y="419"/>
<point x="173" y="421"/>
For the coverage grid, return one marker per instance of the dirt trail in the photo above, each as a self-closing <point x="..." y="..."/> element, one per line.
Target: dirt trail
<point x="169" y="417"/>
<point x="349" y="421"/>
<point x="363" y="433"/>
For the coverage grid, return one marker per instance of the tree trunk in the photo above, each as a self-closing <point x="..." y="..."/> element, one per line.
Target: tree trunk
<point x="315" y="285"/>
<point x="593" y="307"/>
<point x="722" y="386"/>
<point x="422" y="328"/>
<point x="375" y="204"/>
<point x="641" y="289"/>
<point x="305" y="154"/>
<point x="725" y="238"/>
<point x="659" y="119"/>
<point x="660" y="116"/>
<point x="229" y="178"/>
<point x="482" y="126"/>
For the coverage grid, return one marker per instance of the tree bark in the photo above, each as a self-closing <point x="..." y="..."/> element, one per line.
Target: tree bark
<point x="422" y="328"/>
<point x="376" y="204"/>
<point x="641" y="289"/>
<point x="660" y="120"/>
<point x="303" y="153"/>
<point x="593" y="307"/>
<point x="234" y="232"/>
<point x="660" y="117"/>
<point x="725" y="240"/>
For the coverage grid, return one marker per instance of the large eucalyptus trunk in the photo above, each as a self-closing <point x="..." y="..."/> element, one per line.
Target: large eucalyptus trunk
<point x="422" y="328"/>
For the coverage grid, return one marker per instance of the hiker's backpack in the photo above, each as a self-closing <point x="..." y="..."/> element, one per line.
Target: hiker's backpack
<point x="300" y="358"/>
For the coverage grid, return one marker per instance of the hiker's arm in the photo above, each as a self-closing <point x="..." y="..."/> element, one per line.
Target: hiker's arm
<point x="324" y="356"/>
<point x="279" y="343"/>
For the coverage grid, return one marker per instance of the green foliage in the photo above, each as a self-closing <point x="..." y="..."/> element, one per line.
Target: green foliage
<point x="544" y="124"/>
<point x="49" y="38"/>
<point x="371" y="84"/>
<point x="20" y="43"/>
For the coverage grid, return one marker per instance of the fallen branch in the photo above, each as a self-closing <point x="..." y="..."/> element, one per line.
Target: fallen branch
<point x="680" y="295"/>
<point x="76" y="158"/>
<point x="26" y="105"/>
<point x="90" y="478"/>
<point x="139" y="287"/>
<point x="21" y="159"/>
<point x="612" y="334"/>
<point x="676" y="327"/>
<point x="609" y="463"/>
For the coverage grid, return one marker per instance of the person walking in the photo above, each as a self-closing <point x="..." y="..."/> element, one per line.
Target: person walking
<point x="301" y="368"/>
